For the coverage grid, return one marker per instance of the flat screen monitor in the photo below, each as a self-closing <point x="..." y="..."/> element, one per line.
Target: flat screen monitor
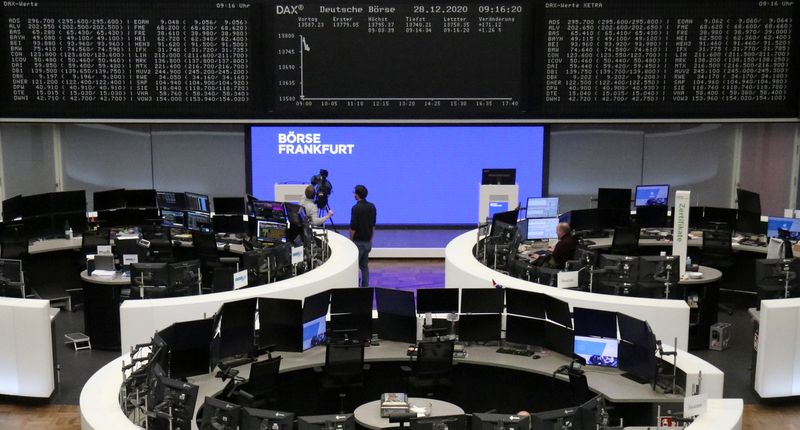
<point x="111" y="199"/>
<point x="172" y="218"/>
<point x="498" y="176"/>
<point x="10" y="270"/>
<point x="68" y="201"/>
<point x="262" y="419"/>
<point x="231" y="224"/>
<point x="314" y="333"/>
<point x="357" y="325"/>
<point x="426" y="150"/>
<point x="437" y="300"/>
<point x="280" y="323"/>
<point x="558" y="338"/>
<point x="271" y="231"/>
<point x="184" y="275"/>
<point x="229" y="206"/>
<point x="525" y="303"/>
<point x="345" y="300"/>
<point x="395" y="302"/>
<point x="270" y="211"/>
<point x="598" y="351"/>
<point x="234" y="328"/>
<point x="623" y="268"/>
<point x="316" y="306"/>
<point x="220" y="415"/>
<point x="140" y="199"/>
<point x="633" y="330"/>
<point x="582" y="219"/>
<point x="542" y="228"/>
<point x="479" y="327"/>
<point x="12" y="208"/>
<point x="482" y="300"/>
<point x="171" y="200"/>
<point x="639" y="362"/>
<point x="749" y="222"/>
<point x="565" y="418"/>
<point x="199" y="221"/>
<point x="595" y="322"/>
<point x="181" y="396"/>
<point x="792" y="225"/>
<point x="652" y="195"/>
<point x="542" y="207"/>
<point x="748" y="201"/>
<point x="449" y="422"/>
<point x="652" y="216"/>
<point x="526" y="331"/>
<point x="557" y="311"/>
<point x="719" y="215"/>
<point x="197" y="202"/>
<point x="149" y="274"/>
<point x="611" y="218"/>
<point x="189" y="353"/>
<point x="37" y="205"/>
<point x="508" y="217"/>
<point x="614" y="198"/>
<point x="655" y="268"/>
<point x="482" y="421"/>
<point x="327" y="422"/>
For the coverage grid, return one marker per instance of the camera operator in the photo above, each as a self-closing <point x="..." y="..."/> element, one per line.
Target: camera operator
<point x="311" y="208"/>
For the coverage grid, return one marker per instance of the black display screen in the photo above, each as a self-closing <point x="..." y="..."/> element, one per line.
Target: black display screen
<point x="264" y="59"/>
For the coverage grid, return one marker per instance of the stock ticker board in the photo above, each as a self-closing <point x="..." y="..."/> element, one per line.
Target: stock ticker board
<point x="260" y="59"/>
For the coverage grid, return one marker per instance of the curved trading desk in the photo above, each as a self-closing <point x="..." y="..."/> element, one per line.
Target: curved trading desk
<point x="100" y="408"/>
<point x="669" y="319"/>
<point x="139" y="319"/>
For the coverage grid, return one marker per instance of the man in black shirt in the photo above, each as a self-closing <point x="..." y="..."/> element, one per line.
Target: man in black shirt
<point x="362" y="226"/>
<point x="564" y="250"/>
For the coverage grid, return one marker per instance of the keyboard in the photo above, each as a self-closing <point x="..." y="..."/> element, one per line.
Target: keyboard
<point x="752" y="243"/>
<point x="514" y="351"/>
<point x="588" y="242"/>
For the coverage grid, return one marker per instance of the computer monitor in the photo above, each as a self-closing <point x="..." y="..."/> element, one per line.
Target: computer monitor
<point x="353" y="326"/>
<point x="229" y="206"/>
<point x="526" y="331"/>
<point x="177" y="398"/>
<point x="749" y="222"/>
<point x="10" y="270"/>
<point x="481" y="421"/>
<point x="314" y="333"/>
<point x="234" y="330"/>
<point x="525" y="303"/>
<point x="498" y="176"/>
<point x="395" y="302"/>
<point x="479" y="327"/>
<point x="149" y="274"/>
<point x="280" y="324"/>
<point x="36" y="205"/>
<point x="316" y="306"/>
<point x="557" y="311"/>
<point x="623" y="268"/>
<point x="449" y="422"/>
<point x="582" y="219"/>
<point x="652" y="195"/>
<point x="172" y="218"/>
<point x="558" y="338"/>
<point x="184" y="275"/>
<point x="614" y="198"/>
<point x="437" y="300"/>
<point x="327" y="422"/>
<point x="220" y="415"/>
<point x="270" y="211"/>
<point x="231" y="224"/>
<point x="611" y="218"/>
<point x="111" y="199"/>
<point x="12" y="208"/>
<point x="652" y="216"/>
<point x="199" y="221"/>
<point x="791" y="225"/>
<point x="598" y="351"/>
<point x="140" y="199"/>
<point x="188" y="352"/>
<point x="171" y="200"/>
<point x="125" y="250"/>
<point x="197" y="202"/>
<point x="345" y="300"/>
<point x="719" y="215"/>
<point x="558" y="419"/>
<point x="68" y="201"/>
<point x="482" y="300"/>
<point x="748" y="201"/>
<point x="542" y="228"/>
<point x="508" y="217"/>
<point x="271" y="231"/>
<point x="542" y="207"/>
<point x="262" y="419"/>
<point x="638" y="362"/>
<point x="633" y="330"/>
<point x="595" y="322"/>
<point x="659" y="268"/>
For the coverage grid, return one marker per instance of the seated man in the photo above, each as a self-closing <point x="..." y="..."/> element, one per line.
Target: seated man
<point x="563" y="251"/>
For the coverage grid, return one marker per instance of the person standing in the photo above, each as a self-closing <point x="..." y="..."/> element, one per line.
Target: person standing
<point x="362" y="226"/>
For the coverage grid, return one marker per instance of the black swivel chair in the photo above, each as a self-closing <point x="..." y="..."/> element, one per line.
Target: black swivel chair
<point x="772" y="279"/>
<point x="431" y="370"/>
<point x="718" y="253"/>
<point x="91" y="239"/>
<point x="344" y="369"/>
<point x="205" y="249"/>
<point x="14" y="248"/>
<point x="160" y="248"/>
<point x="261" y="389"/>
<point x="625" y="241"/>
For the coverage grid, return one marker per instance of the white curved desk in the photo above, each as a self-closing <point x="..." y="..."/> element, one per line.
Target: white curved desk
<point x="669" y="319"/>
<point x="139" y="319"/>
<point x="100" y="408"/>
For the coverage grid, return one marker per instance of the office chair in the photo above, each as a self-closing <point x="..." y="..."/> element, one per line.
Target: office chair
<point x="774" y="276"/>
<point x="547" y="276"/>
<point x="344" y="369"/>
<point x="91" y="239"/>
<point x="205" y="249"/>
<point x="625" y="241"/>
<point x="14" y="247"/>
<point x="160" y="239"/>
<point x="431" y="369"/>
<point x="718" y="253"/>
<point x="261" y="388"/>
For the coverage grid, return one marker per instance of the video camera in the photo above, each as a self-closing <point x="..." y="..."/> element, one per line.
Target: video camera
<point x="323" y="188"/>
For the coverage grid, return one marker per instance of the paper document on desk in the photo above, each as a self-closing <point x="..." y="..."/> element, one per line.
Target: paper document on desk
<point x="103" y="273"/>
<point x="568" y="279"/>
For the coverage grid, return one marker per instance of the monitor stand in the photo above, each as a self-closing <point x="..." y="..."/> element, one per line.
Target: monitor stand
<point x="635" y="378"/>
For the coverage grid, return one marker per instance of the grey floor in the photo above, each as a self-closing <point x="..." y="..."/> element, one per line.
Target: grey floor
<point x="78" y="366"/>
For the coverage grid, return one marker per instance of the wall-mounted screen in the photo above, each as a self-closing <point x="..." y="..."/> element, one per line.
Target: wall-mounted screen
<point x="409" y="171"/>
